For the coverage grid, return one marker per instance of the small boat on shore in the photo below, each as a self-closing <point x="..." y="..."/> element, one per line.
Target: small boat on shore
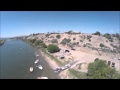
<point x="31" y="69"/>
<point x="42" y="77"/>
<point x="37" y="55"/>
<point x="36" y="61"/>
<point x="40" y="67"/>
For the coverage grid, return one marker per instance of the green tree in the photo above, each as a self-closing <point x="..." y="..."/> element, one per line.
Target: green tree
<point x="107" y="35"/>
<point x="38" y="42"/>
<point x="43" y="45"/>
<point x="53" y="48"/>
<point x="97" y="33"/>
<point x="100" y="70"/>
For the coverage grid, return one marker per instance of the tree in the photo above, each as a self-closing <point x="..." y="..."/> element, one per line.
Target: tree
<point x="97" y="33"/>
<point x="43" y="45"/>
<point x="107" y="35"/>
<point x="100" y="70"/>
<point x="53" y="48"/>
<point x="38" y="42"/>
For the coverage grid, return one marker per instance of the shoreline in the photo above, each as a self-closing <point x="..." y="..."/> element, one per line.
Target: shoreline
<point x="50" y="62"/>
<point x="54" y="65"/>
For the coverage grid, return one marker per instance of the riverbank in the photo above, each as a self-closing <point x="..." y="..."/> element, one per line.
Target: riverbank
<point x="55" y="62"/>
<point x="2" y="42"/>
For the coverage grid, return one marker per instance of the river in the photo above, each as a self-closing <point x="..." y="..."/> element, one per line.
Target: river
<point x="16" y="57"/>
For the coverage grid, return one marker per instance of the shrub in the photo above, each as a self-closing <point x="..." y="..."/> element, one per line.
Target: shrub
<point x="81" y="40"/>
<point x="117" y="35"/>
<point x="32" y="40"/>
<point x="111" y="40"/>
<point x="58" y="36"/>
<point x="74" y="38"/>
<point x="101" y="45"/>
<point x="77" y="43"/>
<point x="84" y="45"/>
<point x="47" y="35"/>
<point x="89" y="37"/>
<point x="74" y="43"/>
<point x="54" y="41"/>
<point x="43" y="45"/>
<point x="53" y="48"/>
<point x="89" y="40"/>
<point x="65" y="41"/>
<point x="96" y="59"/>
<point x="38" y="42"/>
<point x="107" y="35"/>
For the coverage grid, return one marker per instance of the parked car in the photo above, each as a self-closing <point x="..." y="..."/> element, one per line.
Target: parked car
<point x="68" y="65"/>
<point x="113" y="64"/>
<point x="64" y="67"/>
<point x="109" y="62"/>
<point x="72" y="49"/>
<point x="57" y="70"/>
<point x="67" y="51"/>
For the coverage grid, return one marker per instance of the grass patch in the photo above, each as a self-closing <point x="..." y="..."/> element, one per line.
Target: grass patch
<point x="79" y="75"/>
<point x="51" y="56"/>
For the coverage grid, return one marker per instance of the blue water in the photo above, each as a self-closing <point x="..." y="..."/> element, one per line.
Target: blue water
<point x="16" y="57"/>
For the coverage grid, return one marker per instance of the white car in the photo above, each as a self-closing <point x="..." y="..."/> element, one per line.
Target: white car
<point x="64" y="67"/>
<point x="68" y="65"/>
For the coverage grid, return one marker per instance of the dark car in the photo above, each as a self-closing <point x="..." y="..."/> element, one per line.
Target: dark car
<point x="57" y="70"/>
<point x="109" y="62"/>
<point x="67" y="51"/>
<point x="113" y="64"/>
<point x="72" y="49"/>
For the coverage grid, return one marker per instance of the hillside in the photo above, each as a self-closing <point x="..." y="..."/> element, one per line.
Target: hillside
<point x="83" y="48"/>
<point x="82" y="42"/>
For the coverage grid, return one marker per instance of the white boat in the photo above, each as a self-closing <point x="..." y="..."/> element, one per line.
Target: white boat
<point x="36" y="61"/>
<point x="40" y="67"/>
<point x="31" y="69"/>
<point x="42" y="77"/>
<point x="37" y="55"/>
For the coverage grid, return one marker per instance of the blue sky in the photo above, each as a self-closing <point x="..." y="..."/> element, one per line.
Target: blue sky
<point x="15" y="23"/>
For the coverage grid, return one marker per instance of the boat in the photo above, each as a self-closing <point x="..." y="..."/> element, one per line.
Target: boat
<point x="42" y="77"/>
<point x="40" y="67"/>
<point x="36" y="61"/>
<point x="37" y="55"/>
<point x="31" y="69"/>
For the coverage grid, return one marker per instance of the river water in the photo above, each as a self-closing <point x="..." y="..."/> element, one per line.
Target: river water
<point x="16" y="57"/>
